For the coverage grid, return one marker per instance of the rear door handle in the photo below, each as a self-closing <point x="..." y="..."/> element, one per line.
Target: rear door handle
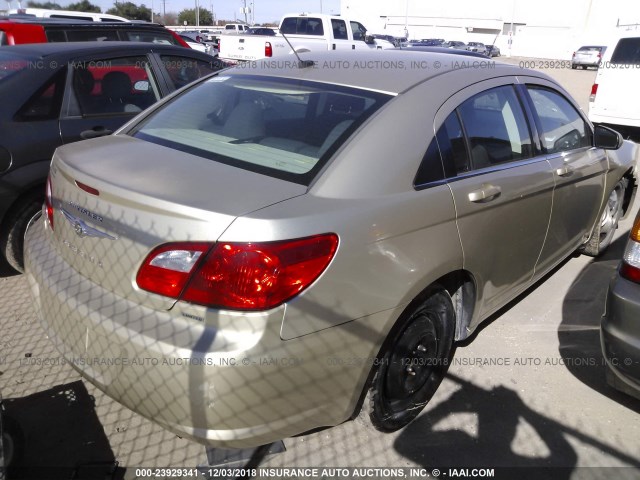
<point x="95" y="133"/>
<point x="564" y="171"/>
<point x="485" y="194"/>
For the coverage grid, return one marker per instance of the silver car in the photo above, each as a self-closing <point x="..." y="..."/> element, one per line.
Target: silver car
<point x="589" y="56"/>
<point x="277" y="245"/>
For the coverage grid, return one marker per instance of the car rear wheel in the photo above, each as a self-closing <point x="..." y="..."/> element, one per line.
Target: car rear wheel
<point x="606" y="228"/>
<point x="12" y="237"/>
<point x="414" y="363"/>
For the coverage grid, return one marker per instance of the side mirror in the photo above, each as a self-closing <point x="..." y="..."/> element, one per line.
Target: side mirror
<point x="369" y="40"/>
<point x="607" y="138"/>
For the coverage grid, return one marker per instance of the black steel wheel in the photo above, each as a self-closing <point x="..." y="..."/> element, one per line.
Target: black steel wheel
<point x="414" y="363"/>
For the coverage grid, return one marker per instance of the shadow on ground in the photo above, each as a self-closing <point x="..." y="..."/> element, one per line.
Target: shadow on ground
<point x="503" y="421"/>
<point x="59" y="436"/>
<point x="579" y="332"/>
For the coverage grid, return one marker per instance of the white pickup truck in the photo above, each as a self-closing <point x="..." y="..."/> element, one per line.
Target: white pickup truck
<point x="305" y="32"/>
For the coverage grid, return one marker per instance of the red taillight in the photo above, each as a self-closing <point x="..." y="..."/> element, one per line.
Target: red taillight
<point x="168" y="267"/>
<point x="48" y="201"/>
<point x="594" y="90"/>
<point x="268" y="51"/>
<point x="630" y="268"/>
<point x="240" y="276"/>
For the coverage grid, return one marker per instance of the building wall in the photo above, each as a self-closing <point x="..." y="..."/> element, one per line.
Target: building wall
<point x="545" y="28"/>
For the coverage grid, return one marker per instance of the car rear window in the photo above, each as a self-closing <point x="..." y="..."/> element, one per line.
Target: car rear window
<point x="590" y="49"/>
<point x="279" y="127"/>
<point x="627" y="52"/>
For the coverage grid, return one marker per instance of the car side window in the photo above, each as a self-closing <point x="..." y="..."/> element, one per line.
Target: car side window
<point x="358" y="31"/>
<point x="563" y="128"/>
<point x="45" y="103"/>
<point x="184" y="70"/>
<point x="453" y="146"/>
<point x="496" y="128"/>
<point x="339" y="29"/>
<point x="114" y="86"/>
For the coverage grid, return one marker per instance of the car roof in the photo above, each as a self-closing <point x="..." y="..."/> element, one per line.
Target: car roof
<point x="378" y="69"/>
<point x="80" y="48"/>
<point x="17" y="19"/>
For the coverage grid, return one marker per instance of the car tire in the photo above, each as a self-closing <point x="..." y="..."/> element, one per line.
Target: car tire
<point x="413" y="363"/>
<point x="605" y="228"/>
<point x="574" y="66"/>
<point x="16" y="222"/>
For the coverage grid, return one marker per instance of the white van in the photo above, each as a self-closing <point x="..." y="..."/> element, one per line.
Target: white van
<point x="614" y="96"/>
<point x="67" y="14"/>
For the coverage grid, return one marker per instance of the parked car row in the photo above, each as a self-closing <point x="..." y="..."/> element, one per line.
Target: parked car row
<point x="476" y="47"/>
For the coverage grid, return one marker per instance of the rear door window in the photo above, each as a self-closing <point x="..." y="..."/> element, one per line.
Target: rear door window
<point x="627" y="52"/>
<point x="82" y="35"/>
<point x="113" y="86"/>
<point x="339" y="29"/>
<point x="496" y="128"/>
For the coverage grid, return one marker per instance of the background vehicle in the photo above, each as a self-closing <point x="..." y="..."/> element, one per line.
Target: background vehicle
<point x="455" y="44"/>
<point x="15" y="31"/>
<point x="276" y="220"/>
<point x="102" y="84"/>
<point x="477" y="47"/>
<point x="261" y="31"/>
<point x="620" y="330"/>
<point x="587" y="57"/>
<point x="307" y="33"/>
<point x="613" y="99"/>
<point x="67" y="14"/>
<point x="201" y="46"/>
<point x="493" y="51"/>
<point x="235" y="28"/>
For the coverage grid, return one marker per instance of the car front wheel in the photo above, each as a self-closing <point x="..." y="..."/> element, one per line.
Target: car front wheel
<point x="414" y="363"/>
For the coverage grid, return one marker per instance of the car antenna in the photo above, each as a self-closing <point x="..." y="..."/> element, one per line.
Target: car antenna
<point x="301" y="63"/>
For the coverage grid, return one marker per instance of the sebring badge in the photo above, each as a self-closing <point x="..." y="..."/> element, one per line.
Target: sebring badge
<point x="84" y="230"/>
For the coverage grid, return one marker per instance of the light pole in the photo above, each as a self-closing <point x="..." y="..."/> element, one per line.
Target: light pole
<point x="197" y="13"/>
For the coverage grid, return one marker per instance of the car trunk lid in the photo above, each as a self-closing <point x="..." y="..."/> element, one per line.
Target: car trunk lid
<point x="116" y="198"/>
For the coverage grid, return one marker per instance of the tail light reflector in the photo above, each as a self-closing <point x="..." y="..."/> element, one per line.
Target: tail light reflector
<point x="268" y="51"/>
<point x="48" y="201"/>
<point x="237" y="276"/>
<point x="630" y="268"/>
<point x="594" y="91"/>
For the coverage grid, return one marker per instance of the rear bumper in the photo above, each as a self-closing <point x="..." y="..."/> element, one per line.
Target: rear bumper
<point x="620" y="336"/>
<point x="586" y="62"/>
<point x="226" y="379"/>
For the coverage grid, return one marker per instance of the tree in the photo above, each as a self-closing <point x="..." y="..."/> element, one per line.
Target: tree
<point x="84" y="6"/>
<point x="189" y="15"/>
<point x="131" y="11"/>
<point x="45" y="5"/>
<point x="169" y="18"/>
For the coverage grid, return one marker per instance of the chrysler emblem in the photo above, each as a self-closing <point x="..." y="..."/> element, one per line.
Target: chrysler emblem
<point x="84" y="230"/>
